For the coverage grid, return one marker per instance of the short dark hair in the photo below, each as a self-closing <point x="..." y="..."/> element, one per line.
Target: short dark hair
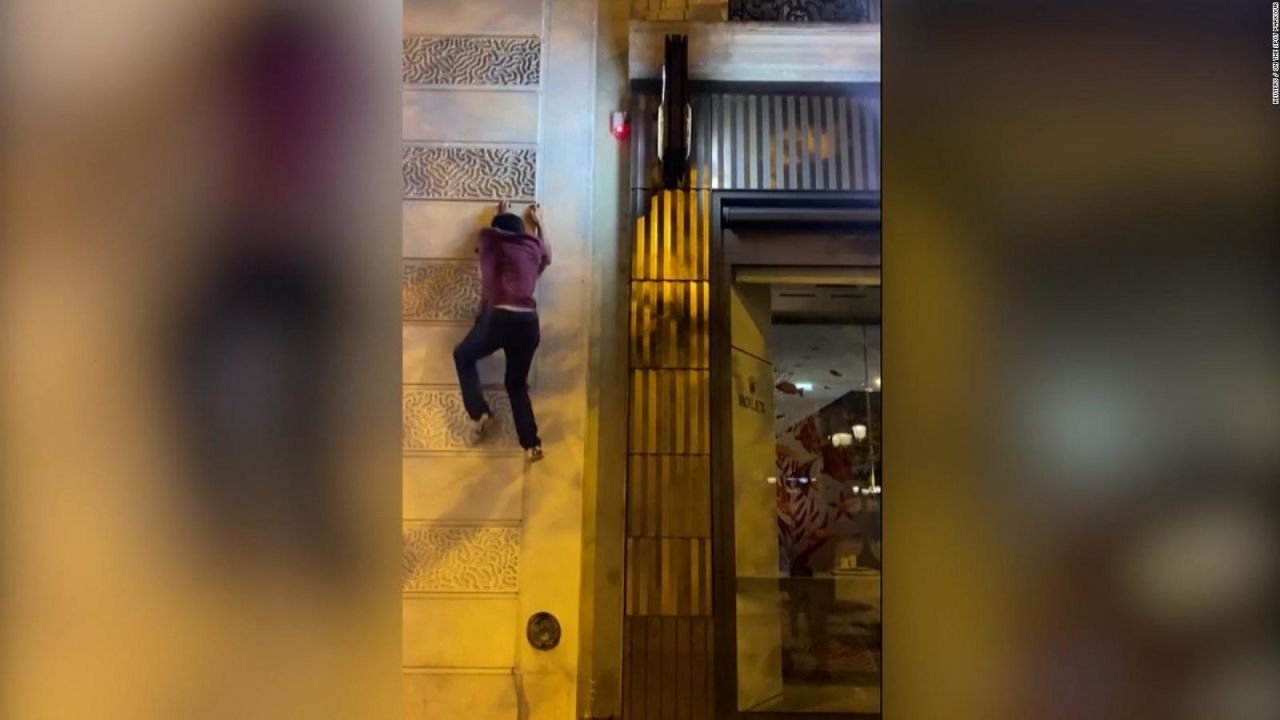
<point x="509" y="222"/>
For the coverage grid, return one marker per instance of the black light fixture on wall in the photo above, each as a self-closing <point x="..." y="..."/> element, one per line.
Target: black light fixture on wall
<point x="675" y="114"/>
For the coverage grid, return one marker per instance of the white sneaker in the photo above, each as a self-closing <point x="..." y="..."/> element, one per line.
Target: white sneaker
<point x="533" y="454"/>
<point x="477" y="428"/>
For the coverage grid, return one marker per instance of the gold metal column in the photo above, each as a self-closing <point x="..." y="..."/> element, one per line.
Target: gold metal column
<point x="667" y="638"/>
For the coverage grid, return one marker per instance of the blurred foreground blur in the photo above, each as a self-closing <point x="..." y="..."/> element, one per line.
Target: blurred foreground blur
<point x="200" y="357"/>
<point x="1082" y="224"/>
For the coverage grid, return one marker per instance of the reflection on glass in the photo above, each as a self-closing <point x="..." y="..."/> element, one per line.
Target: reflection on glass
<point x="809" y="623"/>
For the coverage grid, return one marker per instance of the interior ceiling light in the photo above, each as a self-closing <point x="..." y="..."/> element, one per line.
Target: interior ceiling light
<point x="866" y="374"/>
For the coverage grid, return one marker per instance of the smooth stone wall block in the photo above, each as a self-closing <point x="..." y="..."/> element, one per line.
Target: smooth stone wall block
<point x="463" y="488"/>
<point x="438" y="696"/>
<point x="475" y="17"/>
<point x="428" y="356"/>
<point x="461" y="634"/>
<point x="461" y="115"/>
<point x="443" y="229"/>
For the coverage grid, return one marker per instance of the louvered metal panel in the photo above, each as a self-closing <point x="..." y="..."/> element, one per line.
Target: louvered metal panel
<point x="770" y="141"/>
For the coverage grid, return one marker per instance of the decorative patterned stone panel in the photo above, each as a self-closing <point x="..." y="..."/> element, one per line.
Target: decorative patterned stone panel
<point x="849" y="11"/>
<point x="434" y="419"/>
<point x="472" y="60"/>
<point x="469" y="173"/>
<point x="460" y="559"/>
<point x="439" y="291"/>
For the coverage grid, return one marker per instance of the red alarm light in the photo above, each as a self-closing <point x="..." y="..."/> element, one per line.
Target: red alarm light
<point x="619" y="125"/>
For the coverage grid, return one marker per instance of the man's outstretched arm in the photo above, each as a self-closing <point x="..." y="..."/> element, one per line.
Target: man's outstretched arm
<point x="535" y="220"/>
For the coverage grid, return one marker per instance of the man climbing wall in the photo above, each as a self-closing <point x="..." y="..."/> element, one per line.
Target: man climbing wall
<point x="511" y="262"/>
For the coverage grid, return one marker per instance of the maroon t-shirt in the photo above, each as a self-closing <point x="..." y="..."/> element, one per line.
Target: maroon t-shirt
<point x="510" y="264"/>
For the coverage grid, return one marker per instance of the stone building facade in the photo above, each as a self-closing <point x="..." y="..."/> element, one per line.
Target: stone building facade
<point x="508" y="99"/>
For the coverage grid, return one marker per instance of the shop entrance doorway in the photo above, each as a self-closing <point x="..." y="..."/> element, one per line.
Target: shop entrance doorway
<point x="798" y="483"/>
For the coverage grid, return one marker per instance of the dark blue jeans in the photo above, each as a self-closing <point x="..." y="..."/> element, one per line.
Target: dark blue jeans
<point x="517" y="335"/>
